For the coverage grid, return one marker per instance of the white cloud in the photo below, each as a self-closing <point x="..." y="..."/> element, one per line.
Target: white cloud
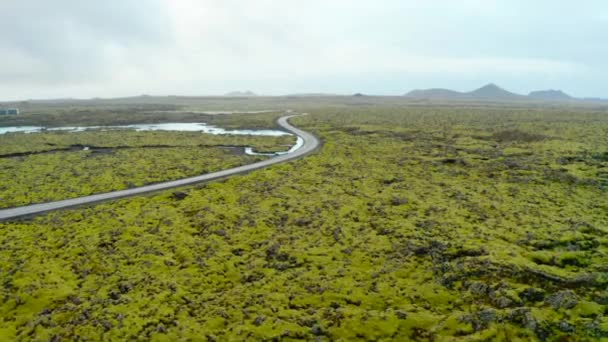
<point x="125" y="47"/>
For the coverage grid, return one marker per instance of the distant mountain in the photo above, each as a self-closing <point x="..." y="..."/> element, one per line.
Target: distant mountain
<point x="550" y="95"/>
<point x="246" y="93"/>
<point x="489" y="91"/>
<point x="312" y="95"/>
<point x="492" y="91"/>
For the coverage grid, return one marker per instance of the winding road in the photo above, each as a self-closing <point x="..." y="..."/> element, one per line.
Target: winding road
<point x="311" y="143"/>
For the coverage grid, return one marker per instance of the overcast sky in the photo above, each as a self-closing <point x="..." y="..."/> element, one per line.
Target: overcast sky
<point x="75" y="48"/>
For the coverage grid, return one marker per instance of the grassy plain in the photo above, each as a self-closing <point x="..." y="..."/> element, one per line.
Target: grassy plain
<point x="411" y="223"/>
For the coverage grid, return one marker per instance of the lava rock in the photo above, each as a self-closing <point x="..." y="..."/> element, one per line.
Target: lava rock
<point x="179" y="195"/>
<point x="566" y="327"/>
<point x="532" y="294"/>
<point x="316" y="330"/>
<point x="258" y="321"/>
<point x="566" y="299"/>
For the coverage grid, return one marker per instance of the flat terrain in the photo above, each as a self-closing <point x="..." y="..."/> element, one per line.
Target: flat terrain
<point x="43" y="167"/>
<point x="413" y="222"/>
<point x="306" y="143"/>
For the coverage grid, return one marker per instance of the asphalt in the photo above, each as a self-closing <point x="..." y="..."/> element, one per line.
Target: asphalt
<point x="311" y="143"/>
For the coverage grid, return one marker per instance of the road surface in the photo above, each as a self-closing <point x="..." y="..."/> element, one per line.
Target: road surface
<point x="311" y="143"/>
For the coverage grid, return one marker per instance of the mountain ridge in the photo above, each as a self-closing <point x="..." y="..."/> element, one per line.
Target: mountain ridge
<point x="550" y="94"/>
<point x="492" y="91"/>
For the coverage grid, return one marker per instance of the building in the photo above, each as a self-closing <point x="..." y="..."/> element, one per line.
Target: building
<point x="9" y="111"/>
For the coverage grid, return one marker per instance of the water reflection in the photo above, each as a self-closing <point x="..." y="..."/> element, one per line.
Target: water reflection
<point x="180" y="127"/>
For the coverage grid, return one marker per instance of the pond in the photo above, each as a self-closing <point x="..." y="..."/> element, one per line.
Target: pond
<point x="180" y="127"/>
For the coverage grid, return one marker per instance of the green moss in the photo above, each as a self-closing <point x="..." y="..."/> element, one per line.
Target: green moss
<point x="588" y="309"/>
<point x="409" y="224"/>
<point x="127" y="159"/>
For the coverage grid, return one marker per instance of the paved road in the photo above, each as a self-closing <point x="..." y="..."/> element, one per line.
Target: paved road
<point x="310" y="144"/>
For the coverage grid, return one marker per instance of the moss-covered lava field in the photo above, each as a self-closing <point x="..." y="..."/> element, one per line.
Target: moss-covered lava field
<point x="427" y="223"/>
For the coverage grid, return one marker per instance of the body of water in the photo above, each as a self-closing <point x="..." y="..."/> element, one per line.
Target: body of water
<point x="181" y="127"/>
<point x="251" y="152"/>
<point x="178" y="127"/>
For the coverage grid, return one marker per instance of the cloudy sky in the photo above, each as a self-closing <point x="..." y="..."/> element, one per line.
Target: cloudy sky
<point x="75" y="48"/>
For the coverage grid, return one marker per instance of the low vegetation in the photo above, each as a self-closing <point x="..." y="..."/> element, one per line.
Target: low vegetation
<point x="18" y="144"/>
<point x="410" y="223"/>
<point x="52" y="166"/>
<point x="125" y="114"/>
